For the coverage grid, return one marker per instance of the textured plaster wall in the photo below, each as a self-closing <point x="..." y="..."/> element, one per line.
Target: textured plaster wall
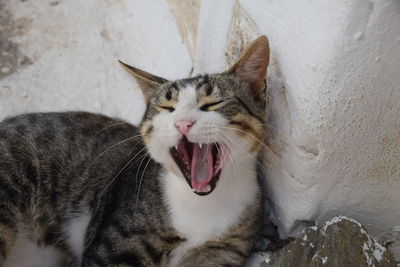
<point x="335" y="105"/>
<point x="334" y="85"/>
<point x="63" y="55"/>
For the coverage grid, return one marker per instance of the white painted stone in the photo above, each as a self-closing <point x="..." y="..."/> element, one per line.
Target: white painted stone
<point x="342" y="133"/>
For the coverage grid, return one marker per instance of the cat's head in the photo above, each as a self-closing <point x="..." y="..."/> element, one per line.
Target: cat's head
<point x="197" y="127"/>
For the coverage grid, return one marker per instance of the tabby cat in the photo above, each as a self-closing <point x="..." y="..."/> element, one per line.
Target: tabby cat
<point x="80" y="189"/>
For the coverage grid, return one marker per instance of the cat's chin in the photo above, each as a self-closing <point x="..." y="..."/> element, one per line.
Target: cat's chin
<point x="200" y="164"/>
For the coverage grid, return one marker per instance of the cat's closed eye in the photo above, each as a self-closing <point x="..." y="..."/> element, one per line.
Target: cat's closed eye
<point x="166" y="108"/>
<point x="210" y="106"/>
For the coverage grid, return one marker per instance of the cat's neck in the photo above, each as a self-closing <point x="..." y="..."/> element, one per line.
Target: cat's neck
<point x="200" y="218"/>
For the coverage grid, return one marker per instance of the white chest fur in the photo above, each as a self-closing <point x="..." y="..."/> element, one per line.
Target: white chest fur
<point x="201" y="218"/>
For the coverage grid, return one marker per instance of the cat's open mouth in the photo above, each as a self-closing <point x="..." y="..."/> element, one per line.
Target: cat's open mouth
<point x="201" y="164"/>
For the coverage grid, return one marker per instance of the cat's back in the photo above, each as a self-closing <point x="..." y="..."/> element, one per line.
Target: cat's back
<point x="57" y="151"/>
<point x="69" y="135"/>
<point x="46" y="129"/>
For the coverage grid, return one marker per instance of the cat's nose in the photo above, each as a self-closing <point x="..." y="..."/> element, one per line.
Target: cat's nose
<point x="184" y="126"/>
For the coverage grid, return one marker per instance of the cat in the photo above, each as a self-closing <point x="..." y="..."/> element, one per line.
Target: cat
<point x="82" y="189"/>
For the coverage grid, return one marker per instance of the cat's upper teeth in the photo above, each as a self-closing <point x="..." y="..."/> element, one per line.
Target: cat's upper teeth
<point x="176" y="147"/>
<point x="200" y="145"/>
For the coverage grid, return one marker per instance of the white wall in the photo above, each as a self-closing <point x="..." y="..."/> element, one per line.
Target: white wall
<point x="74" y="47"/>
<point x="340" y="62"/>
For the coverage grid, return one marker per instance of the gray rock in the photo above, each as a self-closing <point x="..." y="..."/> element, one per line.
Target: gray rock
<point x="257" y="258"/>
<point x="341" y="242"/>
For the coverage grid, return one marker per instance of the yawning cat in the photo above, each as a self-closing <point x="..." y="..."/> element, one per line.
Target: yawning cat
<point x="80" y="189"/>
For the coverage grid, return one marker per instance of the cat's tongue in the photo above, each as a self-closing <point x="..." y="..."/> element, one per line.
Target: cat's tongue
<point x="202" y="169"/>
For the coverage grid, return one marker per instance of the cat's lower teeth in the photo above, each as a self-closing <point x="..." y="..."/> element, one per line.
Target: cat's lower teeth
<point x="206" y="189"/>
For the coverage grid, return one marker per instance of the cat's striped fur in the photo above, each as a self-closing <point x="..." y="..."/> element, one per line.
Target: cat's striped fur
<point x="80" y="189"/>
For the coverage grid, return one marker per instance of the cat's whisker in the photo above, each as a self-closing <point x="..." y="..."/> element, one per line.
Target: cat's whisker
<point x="221" y="142"/>
<point x="143" y="157"/>
<point x="141" y="179"/>
<point x="263" y="124"/>
<point x="116" y="144"/>
<point x="255" y="160"/>
<point x="109" y="126"/>
<point x="122" y="169"/>
<point x="252" y="136"/>
<point x="255" y="138"/>
<point x="218" y="149"/>
<point x="238" y="145"/>
<point x="267" y="126"/>
<point x="140" y="183"/>
<point x="232" y="159"/>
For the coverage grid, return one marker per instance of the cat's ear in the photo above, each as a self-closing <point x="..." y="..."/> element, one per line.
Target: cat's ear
<point x="252" y="66"/>
<point x="147" y="82"/>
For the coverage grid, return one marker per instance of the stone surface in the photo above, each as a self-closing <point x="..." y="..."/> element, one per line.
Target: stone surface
<point x="338" y="243"/>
